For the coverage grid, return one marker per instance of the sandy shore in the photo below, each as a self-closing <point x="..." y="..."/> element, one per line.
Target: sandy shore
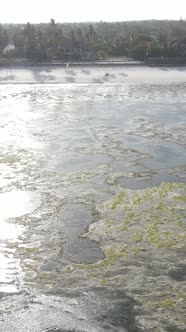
<point x="98" y="74"/>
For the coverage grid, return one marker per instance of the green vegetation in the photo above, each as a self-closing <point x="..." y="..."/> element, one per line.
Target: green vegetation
<point x="180" y="198"/>
<point x="136" y="250"/>
<point x="112" y="256"/>
<point x="102" y="282"/>
<point x="161" y="239"/>
<point x="83" y="41"/>
<point x="151" y="218"/>
<point x="167" y="303"/>
<point x="117" y="200"/>
<point x="137" y="237"/>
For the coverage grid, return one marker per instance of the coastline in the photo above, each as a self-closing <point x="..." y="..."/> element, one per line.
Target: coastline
<point x="88" y="74"/>
<point x="113" y="62"/>
<point x="26" y="63"/>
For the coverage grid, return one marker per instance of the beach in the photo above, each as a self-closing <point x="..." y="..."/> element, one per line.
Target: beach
<point x="92" y="74"/>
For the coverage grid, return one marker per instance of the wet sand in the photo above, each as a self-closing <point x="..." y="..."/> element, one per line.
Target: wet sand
<point x="92" y="200"/>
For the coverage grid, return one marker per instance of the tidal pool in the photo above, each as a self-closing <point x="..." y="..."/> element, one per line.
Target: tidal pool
<point x="92" y="206"/>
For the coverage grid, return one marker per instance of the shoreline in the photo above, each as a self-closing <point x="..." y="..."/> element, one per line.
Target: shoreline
<point x="89" y="64"/>
<point x="95" y="74"/>
<point x="24" y="63"/>
<point x="27" y="64"/>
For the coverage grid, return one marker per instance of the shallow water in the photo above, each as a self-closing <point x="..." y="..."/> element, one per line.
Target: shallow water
<point x="63" y="151"/>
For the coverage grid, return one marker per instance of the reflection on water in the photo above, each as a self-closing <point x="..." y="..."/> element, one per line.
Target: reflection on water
<point x="75" y="218"/>
<point x="17" y="203"/>
<point x="13" y="204"/>
<point x="9" y="231"/>
<point x="9" y="273"/>
<point x="76" y="146"/>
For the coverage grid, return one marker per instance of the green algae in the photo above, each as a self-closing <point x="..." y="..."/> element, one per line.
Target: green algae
<point x="161" y="239"/>
<point x="102" y="282"/>
<point x="137" y="250"/>
<point x="137" y="237"/>
<point x="125" y="226"/>
<point x="152" y="211"/>
<point x="168" y="187"/>
<point x="127" y="201"/>
<point x="160" y="212"/>
<point x="162" y="208"/>
<point x="117" y="200"/>
<point x="30" y="252"/>
<point x="46" y="275"/>
<point x="158" y="294"/>
<point x="180" y="198"/>
<point x="69" y="269"/>
<point x="167" y="303"/>
<point x="179" y="223"/>
<point x="132" y="216"/>
<point x="165" y="300"/>
<point x="151" y="221"/>
<point x="134" y="243"/>
<point x="112" y="256"/>
<point x="130" y="220"/>
<point x="182" y="296"/>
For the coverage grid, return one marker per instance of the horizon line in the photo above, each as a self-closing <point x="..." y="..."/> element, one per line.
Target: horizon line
<point x="100" y="21"/>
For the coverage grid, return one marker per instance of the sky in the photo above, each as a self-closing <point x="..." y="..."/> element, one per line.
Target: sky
<point x="36" y="11"/>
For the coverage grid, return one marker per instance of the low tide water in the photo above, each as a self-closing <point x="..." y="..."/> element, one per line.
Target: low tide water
<point x="64" y="150"/>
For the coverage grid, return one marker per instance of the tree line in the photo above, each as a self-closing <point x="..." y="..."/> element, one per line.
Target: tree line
<point x="55" y="41"/>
